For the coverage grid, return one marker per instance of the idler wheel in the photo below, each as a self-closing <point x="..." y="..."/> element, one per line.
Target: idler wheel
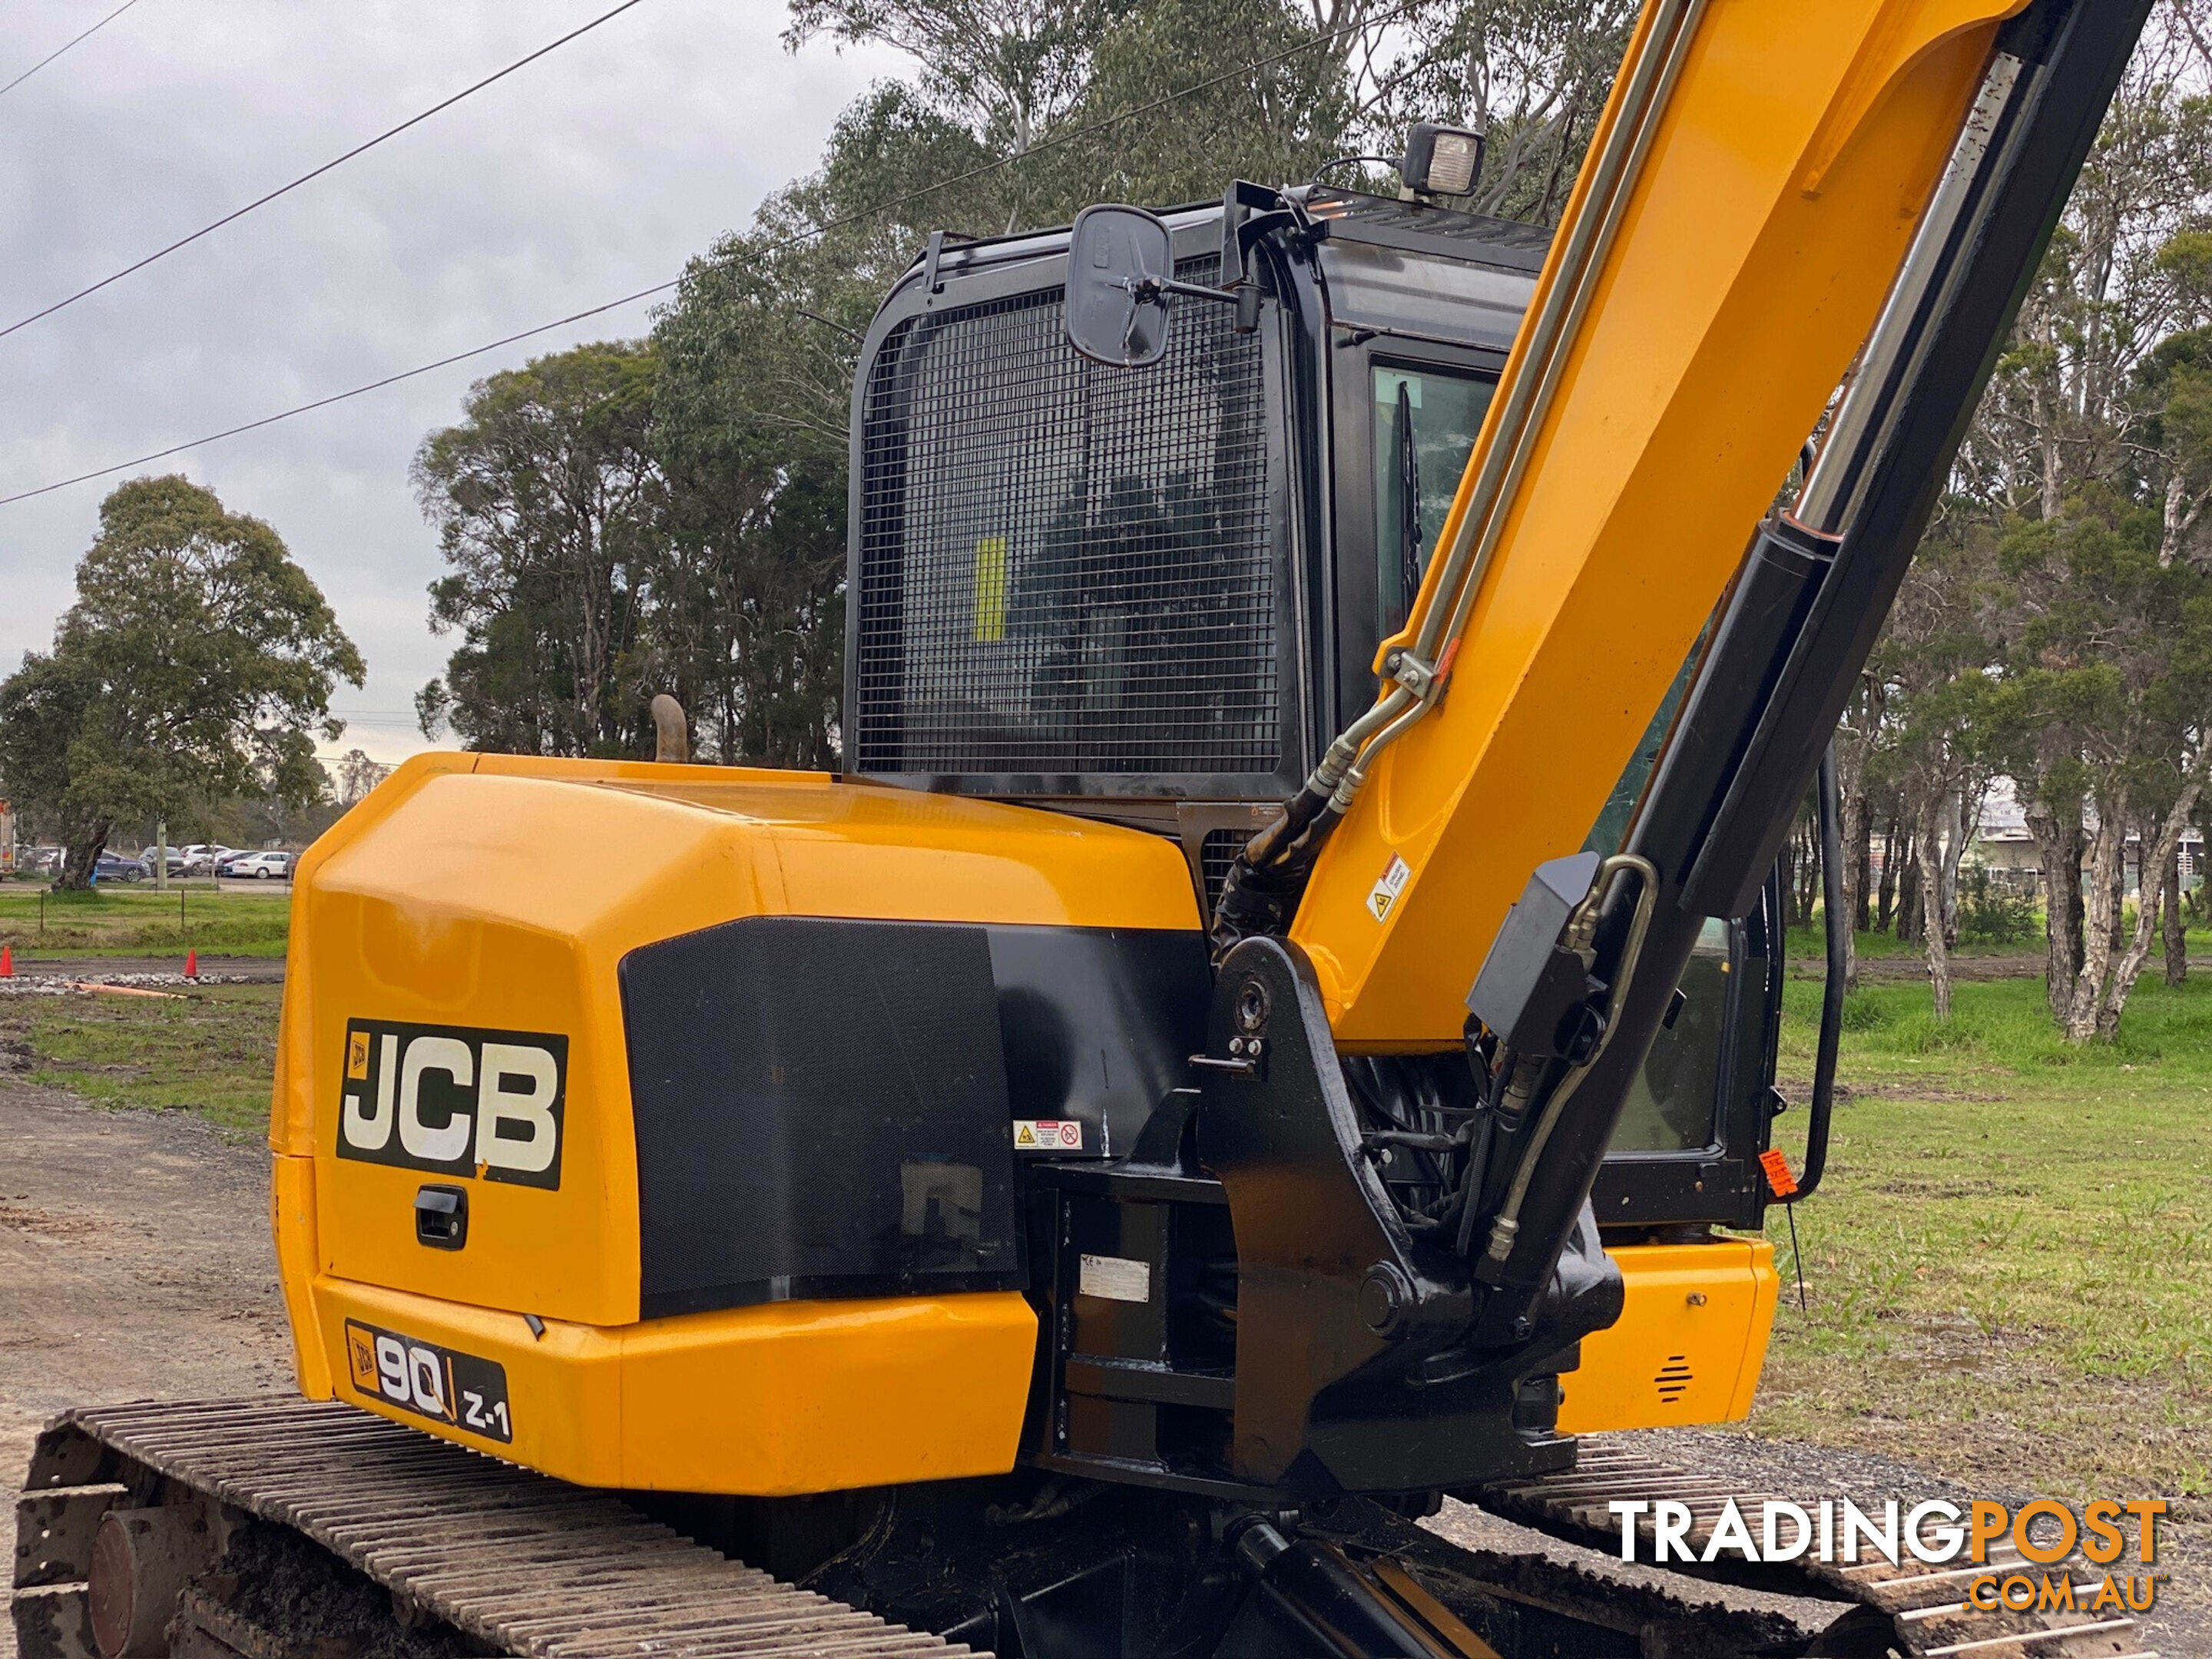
<point x="142" y="1560"/>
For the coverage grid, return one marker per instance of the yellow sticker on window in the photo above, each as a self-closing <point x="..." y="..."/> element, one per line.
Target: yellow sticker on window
<point x="990" y="589"/>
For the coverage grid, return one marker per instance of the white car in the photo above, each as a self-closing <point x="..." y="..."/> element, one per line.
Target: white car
<point x="261" y="867"/>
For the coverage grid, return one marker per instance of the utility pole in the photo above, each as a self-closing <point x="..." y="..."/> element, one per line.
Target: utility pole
<point x="161" y="855"/>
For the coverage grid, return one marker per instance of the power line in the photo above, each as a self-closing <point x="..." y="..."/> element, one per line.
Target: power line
<point x="809" y="232"/>
<point x="337" y="397"/>
<point x="305" y="178"/>
<point x="65" y="46"/>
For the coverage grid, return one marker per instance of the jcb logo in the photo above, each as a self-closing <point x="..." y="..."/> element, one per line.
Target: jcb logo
<point x="456" y="1101"/>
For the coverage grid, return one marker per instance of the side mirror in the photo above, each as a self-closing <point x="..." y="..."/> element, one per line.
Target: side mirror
<point x="1121" y="269"/>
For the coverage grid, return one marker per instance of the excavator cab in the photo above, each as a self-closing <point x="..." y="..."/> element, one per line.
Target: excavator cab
<point x="1150" y="595"/>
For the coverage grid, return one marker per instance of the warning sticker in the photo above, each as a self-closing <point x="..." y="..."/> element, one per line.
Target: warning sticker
<point x="1388" y="885"/>
<point x="1777" y="1173"/>
<point x="1048" y="1134"/>
<point x="1114" y="1278"/>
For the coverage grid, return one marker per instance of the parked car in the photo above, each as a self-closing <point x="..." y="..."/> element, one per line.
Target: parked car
<point x="177" y="864"/>
<point x="260" y="866"/>
<point x="114" y="866"/>
<point x="202" y="858"/>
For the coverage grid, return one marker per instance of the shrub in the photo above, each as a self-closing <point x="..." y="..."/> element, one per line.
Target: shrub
<point x="1989" y="915"/>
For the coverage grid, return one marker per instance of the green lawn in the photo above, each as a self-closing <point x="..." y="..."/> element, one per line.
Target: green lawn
<point x="109" y="921"/>
<point x="1809" y="943"/>
<point x="210" y="1051"/>
<point x="2010" y="1264"/>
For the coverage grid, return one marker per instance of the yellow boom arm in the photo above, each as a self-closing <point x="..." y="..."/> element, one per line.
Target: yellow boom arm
<point x="1746" y="206"/>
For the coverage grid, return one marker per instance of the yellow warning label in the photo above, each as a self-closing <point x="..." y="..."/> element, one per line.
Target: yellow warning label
<point x="990" y="589"/>
<point x="1042" y="1134"/>
<point x="1388" y="885"/>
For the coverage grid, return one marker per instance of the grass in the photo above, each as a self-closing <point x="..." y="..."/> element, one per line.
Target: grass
<point x="107" y="921"/>
<point x="1809" y="943"/>
<point x="211" y="1052"/>
<point x="2008" y="1264"/>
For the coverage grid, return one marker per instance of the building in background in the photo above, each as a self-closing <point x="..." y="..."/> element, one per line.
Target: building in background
<point x="2003" y="846"/>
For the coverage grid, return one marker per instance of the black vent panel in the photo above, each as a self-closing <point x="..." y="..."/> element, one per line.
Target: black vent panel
<point x="1216" y="853"/>
<point x="1066" y="568"/>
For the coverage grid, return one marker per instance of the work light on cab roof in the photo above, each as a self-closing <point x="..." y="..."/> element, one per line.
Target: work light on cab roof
<point x="1441" y="161"/>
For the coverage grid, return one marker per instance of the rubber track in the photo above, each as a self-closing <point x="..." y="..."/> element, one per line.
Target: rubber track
<point x="527" y="1564"/>
<point x="1925" y="1604"/>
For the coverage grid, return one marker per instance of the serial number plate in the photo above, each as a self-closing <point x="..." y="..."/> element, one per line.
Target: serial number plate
<point x="422" y="1377"/>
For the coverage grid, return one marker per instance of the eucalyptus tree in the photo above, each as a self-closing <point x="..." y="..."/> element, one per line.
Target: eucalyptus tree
<point x="196" y="666"/>
<point x="544" y="500"/>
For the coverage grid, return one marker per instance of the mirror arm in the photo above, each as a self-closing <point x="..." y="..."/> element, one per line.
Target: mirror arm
<point x="1146" y="288"/>
<point x="1245" y="297"/>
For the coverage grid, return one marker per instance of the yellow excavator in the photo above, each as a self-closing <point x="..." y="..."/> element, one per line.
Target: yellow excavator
<point x="1085" y="1182"/>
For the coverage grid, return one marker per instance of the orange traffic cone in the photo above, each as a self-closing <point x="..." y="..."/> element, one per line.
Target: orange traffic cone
<point x="192" y="963"/>
<point x="7" y="962"/>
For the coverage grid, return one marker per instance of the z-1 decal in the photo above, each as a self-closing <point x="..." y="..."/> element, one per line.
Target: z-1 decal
<point x="455" y="1100"/>
<point x="422" y="1377"/>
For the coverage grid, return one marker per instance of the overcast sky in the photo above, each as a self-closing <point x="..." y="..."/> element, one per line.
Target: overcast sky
<point x="589" y="174"/>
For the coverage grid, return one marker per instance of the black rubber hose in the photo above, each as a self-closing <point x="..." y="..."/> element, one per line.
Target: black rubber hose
<point x="1831" y="991"/>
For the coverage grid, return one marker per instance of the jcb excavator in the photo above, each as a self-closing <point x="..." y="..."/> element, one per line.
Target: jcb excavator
<point x="1086" y="1181"/>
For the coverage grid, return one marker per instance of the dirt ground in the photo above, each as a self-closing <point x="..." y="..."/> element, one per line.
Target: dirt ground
<point x="135" y="1263"/>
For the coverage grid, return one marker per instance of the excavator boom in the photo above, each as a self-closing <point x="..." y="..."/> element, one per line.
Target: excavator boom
<point x="1743" y="214"/>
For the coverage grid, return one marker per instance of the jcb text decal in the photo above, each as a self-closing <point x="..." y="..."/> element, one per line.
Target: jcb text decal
<point x="457" y="1101"/>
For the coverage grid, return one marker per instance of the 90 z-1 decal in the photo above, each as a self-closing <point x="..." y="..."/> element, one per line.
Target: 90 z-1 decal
<point x="422" y="1377"/>
<point x="454" y="1100"/>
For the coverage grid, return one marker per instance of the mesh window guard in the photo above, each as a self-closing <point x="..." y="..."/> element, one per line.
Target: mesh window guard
<point x="1065" y="568"/>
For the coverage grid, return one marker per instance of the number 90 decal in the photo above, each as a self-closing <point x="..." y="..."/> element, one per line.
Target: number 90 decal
<point x="457" y="1389"/>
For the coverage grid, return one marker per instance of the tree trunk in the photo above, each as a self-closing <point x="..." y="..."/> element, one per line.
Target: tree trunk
<point x="1862" y="870"/>
<point x="1809" y="872"/>
<point x="2057" y="832"/>
<point x="2177" y="939"/>
<point x="1854" y="839"/>
<point x="2115" y="999"/>
<point x="1928" y="850"/>
<point x="2104" y="850"/>
<point x="1955" y="851"/>
<point x="1908" y="888"/>
<point x="2120" y="899"/>
<point x="83" y="857"/>
<point x="1892" y="855"/>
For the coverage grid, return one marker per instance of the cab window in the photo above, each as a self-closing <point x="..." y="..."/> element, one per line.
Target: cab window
<point x="1424" y="423"/>
<point x="1673" y="1101"/>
